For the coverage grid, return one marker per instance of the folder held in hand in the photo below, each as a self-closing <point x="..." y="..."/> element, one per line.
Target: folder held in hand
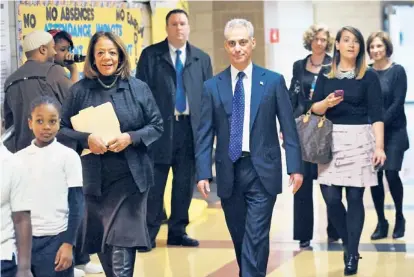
<point x="100" y="120"/>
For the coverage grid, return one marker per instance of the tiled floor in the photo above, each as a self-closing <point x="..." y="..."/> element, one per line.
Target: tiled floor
<point x="215" y="256"/>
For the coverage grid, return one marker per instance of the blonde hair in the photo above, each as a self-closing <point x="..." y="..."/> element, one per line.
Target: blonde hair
<point x="311" y="33"/>
<point x="124" y="66"/>
<point x="361" y="64"/>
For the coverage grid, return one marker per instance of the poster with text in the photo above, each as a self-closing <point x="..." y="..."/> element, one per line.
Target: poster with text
<point x="82" y="19"/>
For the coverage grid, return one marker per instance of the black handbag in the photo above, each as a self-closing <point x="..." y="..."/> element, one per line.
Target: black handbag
<point x="315" y="135"/>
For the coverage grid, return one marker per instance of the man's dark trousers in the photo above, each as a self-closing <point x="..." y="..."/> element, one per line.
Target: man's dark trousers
<point x="248" y="213"/>
<point x="183" y="169"/>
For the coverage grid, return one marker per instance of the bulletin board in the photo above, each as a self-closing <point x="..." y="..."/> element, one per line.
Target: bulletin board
<point x="82" y="19"/>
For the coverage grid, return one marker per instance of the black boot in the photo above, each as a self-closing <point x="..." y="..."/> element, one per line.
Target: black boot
<point x="399" y="228"/>
<point x="123" y="260"/>
<point x="351" y="264"/>
<point x="381" y="231"/>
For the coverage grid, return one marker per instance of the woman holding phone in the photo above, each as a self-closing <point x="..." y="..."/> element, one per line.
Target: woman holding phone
<point x="358" y="137"/>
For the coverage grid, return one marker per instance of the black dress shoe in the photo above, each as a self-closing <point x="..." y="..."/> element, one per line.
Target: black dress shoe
<point x="381" y="231"/>
<point x="351" y="264"/>
<point x="304" y="243"/>
<point x="399" y="228"/>
<point x="185" y="240"/>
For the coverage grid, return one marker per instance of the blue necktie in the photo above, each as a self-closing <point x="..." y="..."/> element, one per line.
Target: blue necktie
<point x="180" y="101"/>
<point x="237" y="120"/>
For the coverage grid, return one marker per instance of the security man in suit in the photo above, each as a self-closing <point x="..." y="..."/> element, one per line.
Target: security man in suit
<point x="175" y="70"/>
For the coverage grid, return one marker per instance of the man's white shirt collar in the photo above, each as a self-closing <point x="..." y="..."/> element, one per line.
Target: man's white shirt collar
<point x="173" y="49"/>
<point x="248" y="71"/>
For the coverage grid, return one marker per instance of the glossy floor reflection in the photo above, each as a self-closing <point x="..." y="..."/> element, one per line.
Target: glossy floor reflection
<point x="215" y="256"/>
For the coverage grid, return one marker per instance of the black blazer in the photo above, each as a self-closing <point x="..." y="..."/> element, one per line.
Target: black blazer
<point x="300" y="103"/>
<point x="157" y="70"/>
<point x="138" y="115"/>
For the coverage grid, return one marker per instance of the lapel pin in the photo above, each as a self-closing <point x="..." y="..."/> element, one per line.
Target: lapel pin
<point x="261" y="83"/>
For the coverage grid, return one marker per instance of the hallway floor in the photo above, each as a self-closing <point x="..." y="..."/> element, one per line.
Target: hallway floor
<point x="215" y="256"/>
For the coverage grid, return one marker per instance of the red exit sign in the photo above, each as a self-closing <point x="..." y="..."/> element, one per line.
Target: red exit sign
<point x="274" y="35"/>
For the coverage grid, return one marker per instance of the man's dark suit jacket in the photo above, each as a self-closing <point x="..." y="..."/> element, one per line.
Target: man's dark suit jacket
<point x="156" y="68"/>
<point x="269" y="99"/>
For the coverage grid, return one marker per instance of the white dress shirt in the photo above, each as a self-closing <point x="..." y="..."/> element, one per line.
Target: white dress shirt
<point x="14" y="198"/>
<point x="247" y="85"/>
<point x="52" y="170"/>
<point x="183" y="57"/>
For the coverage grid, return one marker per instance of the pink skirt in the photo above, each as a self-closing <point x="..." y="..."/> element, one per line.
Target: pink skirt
<point x="352" y="148"/>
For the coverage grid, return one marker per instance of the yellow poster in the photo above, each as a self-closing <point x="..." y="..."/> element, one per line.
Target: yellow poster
<point x="82" y="19"/>
<point x="160" y="10"/>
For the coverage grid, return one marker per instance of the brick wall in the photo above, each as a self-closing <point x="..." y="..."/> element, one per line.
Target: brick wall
<point x="201" y="26"/>
<point x="208" y="18"/>
<point x="364" y="15"/>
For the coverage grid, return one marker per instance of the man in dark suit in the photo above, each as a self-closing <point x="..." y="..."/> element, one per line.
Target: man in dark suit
<point x="175" y="71"/>
<point x="239" y="106"/>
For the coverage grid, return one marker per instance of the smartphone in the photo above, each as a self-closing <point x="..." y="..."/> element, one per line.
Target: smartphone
<point x="339" y="93"/>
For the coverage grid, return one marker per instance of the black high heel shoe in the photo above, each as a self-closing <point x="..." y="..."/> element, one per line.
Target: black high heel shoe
<point x="399" y="228"/>
<point x="381" y="231"/>
<point x="351" y="264"/>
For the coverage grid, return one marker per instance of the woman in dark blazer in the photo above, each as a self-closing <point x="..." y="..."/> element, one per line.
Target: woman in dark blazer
<point x="118" y="173"/>
<point x="393" y="81"/>
<point x="318" y="40"/>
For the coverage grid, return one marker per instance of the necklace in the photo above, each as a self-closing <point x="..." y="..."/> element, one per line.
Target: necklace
<point x="108" y="86"/>
<point x="348" y="74"/>
<point x="312" y="64"/>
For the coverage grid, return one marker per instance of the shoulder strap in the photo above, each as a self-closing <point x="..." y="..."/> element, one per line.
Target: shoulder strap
<point x="37" y="77"/>
<point x="23" y="79"/>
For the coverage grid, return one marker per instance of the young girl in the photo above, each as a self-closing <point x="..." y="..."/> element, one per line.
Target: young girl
<point x="55" y="172"/>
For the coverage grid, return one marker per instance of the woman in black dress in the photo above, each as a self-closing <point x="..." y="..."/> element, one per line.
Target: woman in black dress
<point x="394" y="89"/>
<point x="118" y="174"/>
<point x="305" y="72"/>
